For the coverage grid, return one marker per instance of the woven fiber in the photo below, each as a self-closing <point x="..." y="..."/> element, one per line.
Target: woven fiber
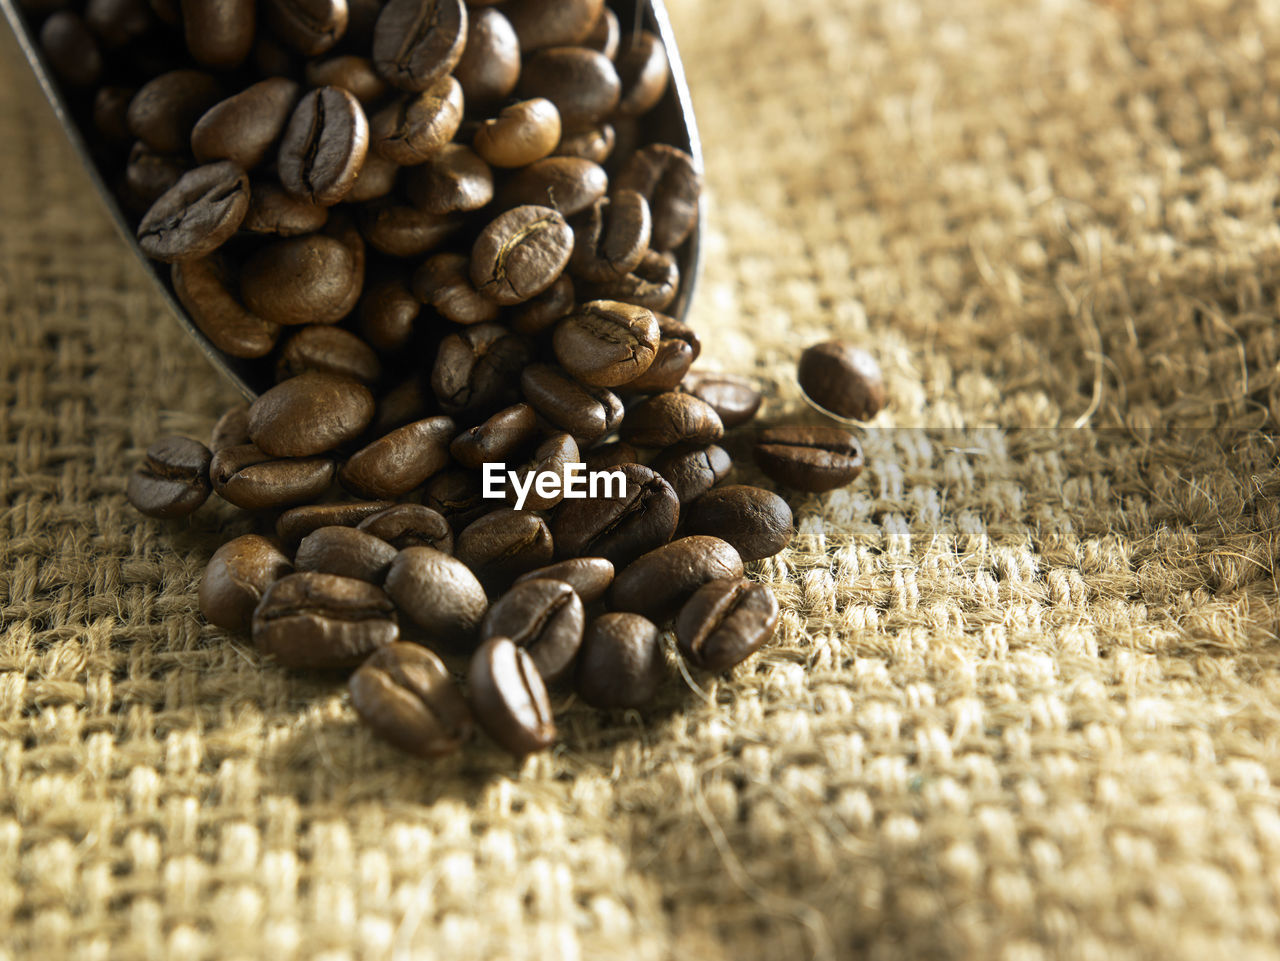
<point x="1024" y="702"/>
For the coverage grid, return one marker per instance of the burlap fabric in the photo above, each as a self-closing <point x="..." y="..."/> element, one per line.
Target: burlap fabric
<point x="1024" y="699"/>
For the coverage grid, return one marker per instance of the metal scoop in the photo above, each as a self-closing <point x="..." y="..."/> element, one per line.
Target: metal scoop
<point x="671" y="121"/>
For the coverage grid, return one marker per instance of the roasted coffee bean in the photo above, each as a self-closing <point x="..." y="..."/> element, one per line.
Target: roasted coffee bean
<point x="590" y="577"/>
<point x="297" y="522"/>
<point x="273" y="210"/>
<point x="164" y="109"/>
<point x="642" y="70"/>
<point x="410" y="525"/>
<point x="452" y="180"/>
<point x="353" y="74"/>
<point x="692" y="470"/>
<point x="621" y="663"/>
<point x="543" y="617"/>
<point x="842" y="379"/>
<point x="567" y="184"/>
<point x="388" y="313"/>
<point x="542" y="477"/>
<point x="244" y="128"/>
<point x="438" y="593"/>
<point x="407" y="696"/>
<point x="502" y="545"/>
<point x="309" y="414"/>
<point x="520" y="253"/>
<point x="490" y="64"/>
<point x="255" y="481"/>
<point x="671" y="418"/>
<point x="456" y="494"/>
<point x="197" y="214"/>
<point x="605" y="35"/>
<point x="522" y="133"/>
<point x="410" y="129"/>
<point x="117" y="23"/>
<point x="219" y="33"/>
<point x="657" y="584"/>
<point x="71" y="49"/>
<point x="725" y="622"/>
<point x="594" y="143"/>
<point x="734" y="398"/>
<point x="402" y="231"/>
<point x="345" y="551"/>
<point x="398" y="462"/>
<point x="231" y="429"/>
<point x="605" y="343"/>
<point x="406" y="401"/>
<point x="328" y="349"/>
<point x="588" y="413"/>
<point x="653" y="284"/>
<point x="503" y="436"/>
<point x="550" y="23"/>
<point x="610" y="455"/>
<point x="323" y="146"/>
<point x="582" y="83"/>
<point x="755" y="521"/>
<point x="110" y="113"/>
<point x="323" y="621"/>
<point x="148" y="176"/>
<point x="476" y="368"/>
<point x="238" y="574"/>
<point x="677" y="330"/>
<point x="173" y="480"/>
<point x="509" y="699"/>
<point x="541" y="313"/>
<point x="667" y="178"/>
<point x="670" y="364"/>
<point x="443" y="281"/>
<point x="813" y="459"/>
<point x="377" y="178"/>
<point x="202" y="287"/>
<point x="416" y="42"/>
<point x="300" y="280"/>
<point x="611" y="237"/>
<point x="619" y="529"/>
<point x="309" y="26"/>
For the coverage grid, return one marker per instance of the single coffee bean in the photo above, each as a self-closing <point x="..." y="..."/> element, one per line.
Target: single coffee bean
<point x="610" y="455"/>
<point x="621" y="663"/>
<point x="197" y="214"/>
<point x="117" y="23"/>
<point x="642" y="70"/>
<point x="173" y="480"/>
<point x="543" y="617"/>
<point x="219" y="33"/>
<point x="148" y="176"/>
<point x="410" y="129"/>
<point x="755" y="521"/>
<point x="590" y="577"/>
<point x="502" y="545"/>
<point x="541" y="477"/>
<point x="490" y="63"/>
<point x="521" y="134"/>
<point x="345" y="551"/>
<point x="594" y="143"/>
<point x="328" y="349"/>
<point x="164" y="109"/>
<point x="398" y="462"/>
<point x="323" y="146"/>
<point x="202" y="287"/>
<point x="552" y="23"/>
<point x="670" y="364"/>
<point x="668" y="179"/>
<point x="410" y="525"/>
<point x="309" y="414"/>
<point x="611" y="237"/>
<point x="398" y="230"/>
<point x="273" y="210"/>
<point x="541" y="313"/>
<point x="605" y="343"/>
<point x="671" y="418"/>
<point x="377" y="178"/>
<point x="297" y="522"/>
<point x="675" y="329"/>
<point x="476" y="368"/>
<point x="417" y="42"/>
<point x="323" y="621"/>
<point x="509" y="698"/>
<point x="110" y="112"/>
<point x="406" y="401"/>
<point x="605" y="35"/>
<point x="725" y="622"/>
<point x="300" y="280"/>
<point x="582" y="83"/>
<point x="438" y="593"/>
<point x="238" y="574"/>
<point x="619" y="529"/>
<point x="657" y="584"/>
<point x="503" y="436"/>
<point x="352" y="73"/>
<point x="407" y="696"/>
<point x="693" y="470"/>
<point x="588" y="413"/>
<point x="567" y="184"/>
<point x="255" y="481"/>
<point x="842" y="379"/>
<point x="521" y="253"/>
<point x="231" y="429"/>
<point x="653" y="284"/>
<point x="309" y="26"/>
<point x="388" y="313"/>
<point x="244" y="128"/>
<point x="734" y="398"/>
<point x="443" y="282"/>
<point x="456" y="494"/>
<point x="452" y="180"/>
<point x="813" y="459"/>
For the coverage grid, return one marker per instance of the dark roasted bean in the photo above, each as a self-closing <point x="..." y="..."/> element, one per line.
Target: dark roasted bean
<point x="504" y="435"/>
<point x="416" y="42"/>
<point x="653" y="284"/>
<point x="438" y="593"/>
<point x="589" y="576"/>
<point x="398" y="462"/>
<point x="619" y="529"/>
<point x="353" y="74"/>
<point x="309" y="414"/>
<point x="443" y="281"/>
<point x="329" y="349"/>
<point x="657" y="584"/>
<point x="613" y="454"/>
<point x="457" y="496"/>
<point x="605" y="343"/>
<point x="219" y="33"/>
<point x="621" y="663"/>
<point x="842" y="379"/>
<point x="410" y="129"/>
<point x="582" y="83"/>
<point x="388" y="313"/>
<point x="237" y="575"/>
<point x="476" y="368"/>
<point x="148" y="176"/>
<point x="725" y="622"/>
<point x="231" y="429"/>
<point x="734" y="398"/>
<point x="671" y="418"/>
<point x="670" y="364"/>
<point x="605" y="35"/>
<point x="509" y="698"/>
<point x="273" y="210"/>
<point x="588" y="413"/>
<point x="452" y="180"/>
<point x="323" y="621"/>
<point x="244" y="128"/>
<point x="567" y="184"/>
<point x="521" y="134"/>
<point x="541" y="313"/>
<point x="593" y="143"/>
<point x="117" y="23"/>
<point x="309" y="26"/>
<point x="297" y="522"/>
<point x="300" y="280"/>
<point x="410" y="525"/>
<point x="545" y="618"/>
<point x="755" y="521"/>
<point x="110" y="113"/>
<point x="324" y="146"/>
<point x="643" y="71"/>
<point x="521" y="253"/>
<point x="173" y="480"/>
<point x="611" y="237"/>
<point x="814" y="459"/>
<point x="406" y="695"/>
<point x="490" y="64"/>
<point x="346" y="551"/>
<point x="202" y="286"/>
<point x="250" y="479"/>
<point x="198" y="213"/>
<point x="503" y="544"/>
<point x="667" y="178"/>
<point x="164" y="109"/>
<point x="693" y="470"/>
<point x="398" y="230"/>
<point x="542" y="479"/>
<point x="549" y="23"/>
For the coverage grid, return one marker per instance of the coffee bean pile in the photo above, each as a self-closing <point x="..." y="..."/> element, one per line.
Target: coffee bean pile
<point x="447" y="233"/>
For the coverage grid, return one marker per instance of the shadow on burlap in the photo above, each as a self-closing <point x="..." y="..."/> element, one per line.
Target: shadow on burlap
<point x="1023" y="702"/>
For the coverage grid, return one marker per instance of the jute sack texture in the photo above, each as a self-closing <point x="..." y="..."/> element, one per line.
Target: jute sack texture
<point x="1023" y="703"/>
